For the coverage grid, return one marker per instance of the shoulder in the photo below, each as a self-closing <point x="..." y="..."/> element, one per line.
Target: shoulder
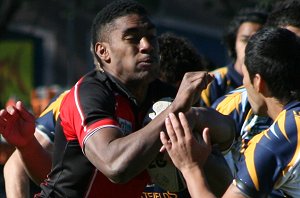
<point x="288" y="121"/>
<point x="220" y="71"/>
<point x="234" y="100"/>
<point x="45" y="124"/>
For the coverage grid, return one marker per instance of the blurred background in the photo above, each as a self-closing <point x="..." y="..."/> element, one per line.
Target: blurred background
<point x="44" y="45"/>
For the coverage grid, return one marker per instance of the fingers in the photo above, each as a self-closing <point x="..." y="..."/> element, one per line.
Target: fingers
<point x="26" y="115"/>
<point x="4" y="115"/>
<point x="4" y="120"/>
<point x="175" y="130"/>
<point x="202" y="78"/>
<point x="165" y="141"/>
<point x="170" y="125"/>
<point x="2" y="112"/>
<point x="13" y="114"/>
<point x="207" y="78"/>
<point x="186" y="130"/>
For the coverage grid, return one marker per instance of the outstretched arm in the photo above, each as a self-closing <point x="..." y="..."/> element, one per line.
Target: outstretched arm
<point x="17" y="125"/>
<point x="16" y="173"/>
<point x="189" y="155"/>
<point x="119" y="157"/>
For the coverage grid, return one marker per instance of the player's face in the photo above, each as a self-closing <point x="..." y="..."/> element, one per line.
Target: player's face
<point x="245" y="31"/>
<point x="254" y="97"/>
<point x="133" y="49"/>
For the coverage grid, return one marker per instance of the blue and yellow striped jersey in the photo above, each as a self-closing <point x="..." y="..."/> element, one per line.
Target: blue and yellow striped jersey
<point x="45" y="124"/>
<point x="270" y="160"/>
<point x="226" y="79"/>
<point x="235" y="104"/>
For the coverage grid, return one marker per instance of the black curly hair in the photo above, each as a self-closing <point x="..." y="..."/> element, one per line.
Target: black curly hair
<point x="285" y="13"/>
<point x="178" y="56"/>
<point x="255" y="15"/>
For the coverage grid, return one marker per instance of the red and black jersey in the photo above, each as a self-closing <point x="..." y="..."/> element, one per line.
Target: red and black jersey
<point x="97" y="100"/>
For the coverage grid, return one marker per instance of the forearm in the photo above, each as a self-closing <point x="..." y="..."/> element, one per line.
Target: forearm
<point x="5" y="151"/>
<point x="37" y="161"/>
<point x="15" y="177"/>
<point x="123" y="157"/>
<point x="196" y="183"/>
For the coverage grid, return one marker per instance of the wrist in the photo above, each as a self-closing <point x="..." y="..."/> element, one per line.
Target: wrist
<point x="190" y="170"/>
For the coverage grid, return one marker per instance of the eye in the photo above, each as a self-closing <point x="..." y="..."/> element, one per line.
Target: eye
<point x="245" y="39"/>
<point x="132" y="38"/>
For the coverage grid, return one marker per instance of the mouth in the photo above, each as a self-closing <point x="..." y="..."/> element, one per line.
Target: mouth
<point x="147" y="62"/>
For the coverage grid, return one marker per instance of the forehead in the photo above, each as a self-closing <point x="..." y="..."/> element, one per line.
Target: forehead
<point x="248" y="28"/>
<point x="132" y="22"/>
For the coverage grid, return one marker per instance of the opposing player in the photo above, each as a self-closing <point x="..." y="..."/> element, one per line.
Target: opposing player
<point x="270" y="160"/>
<point x="240" y="29"/>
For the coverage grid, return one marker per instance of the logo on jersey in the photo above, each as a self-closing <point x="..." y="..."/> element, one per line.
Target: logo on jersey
<point x="125" y="125"/>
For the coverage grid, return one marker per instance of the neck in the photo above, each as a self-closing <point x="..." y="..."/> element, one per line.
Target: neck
<point x="139" y="90"/>
<point x="274" y="107"/>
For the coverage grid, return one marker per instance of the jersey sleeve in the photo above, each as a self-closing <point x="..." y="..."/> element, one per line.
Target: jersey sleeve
<point x="268" y="156"/>
<point x="46" y="122"/>
<point x="89" y="106"/>
<point x="236" y="105"/>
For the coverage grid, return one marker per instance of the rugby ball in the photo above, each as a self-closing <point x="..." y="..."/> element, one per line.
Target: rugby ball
<point x="162" y="170"/>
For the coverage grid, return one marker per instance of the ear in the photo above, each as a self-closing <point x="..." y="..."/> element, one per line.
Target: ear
<point x="260" y="85"/>
<point x="101" y="49"/>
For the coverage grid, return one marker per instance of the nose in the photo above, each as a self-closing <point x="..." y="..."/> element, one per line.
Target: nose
<point x="145" y="45"/>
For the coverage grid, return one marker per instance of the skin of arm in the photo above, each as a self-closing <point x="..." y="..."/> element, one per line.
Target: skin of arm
<point x="189" y="155"/>
<point x="39" y="150"/>
<point x="15" y="177"/>
<point x="18" y="127"/>
<point x="122" y="157"/>
<point x="5" y="151"/>
<point x="217" y="172"/>
<point x="17" y="173"/>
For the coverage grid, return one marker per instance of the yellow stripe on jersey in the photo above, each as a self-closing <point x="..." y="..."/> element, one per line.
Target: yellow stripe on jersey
<point x="249" y="159"/>
<point x="281" y="123"/>
<point x="222" y="71"/>
<point x="297" y="152"/>
<point x="205" y="94"/>
<point x="230" y="103"/>
<point x="55" y="106"/>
